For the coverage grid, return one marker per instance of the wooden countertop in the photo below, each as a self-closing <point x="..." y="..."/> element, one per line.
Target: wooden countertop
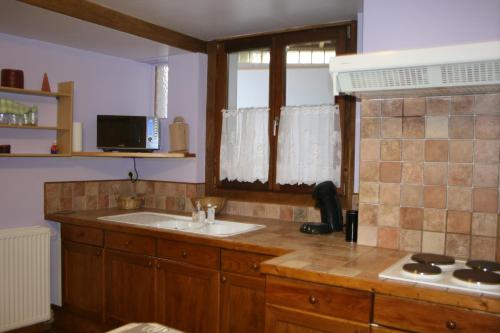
<point x="326" y="259"/>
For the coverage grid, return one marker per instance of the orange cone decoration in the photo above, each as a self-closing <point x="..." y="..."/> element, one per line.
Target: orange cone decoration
<point x="45" y="84"/>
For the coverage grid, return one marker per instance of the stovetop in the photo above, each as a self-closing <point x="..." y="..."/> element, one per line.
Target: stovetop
<point x="445" y="280"/>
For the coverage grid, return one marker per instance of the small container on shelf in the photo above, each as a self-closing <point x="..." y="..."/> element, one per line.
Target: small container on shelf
<point x="53" y="148"/>
<point x="4" y="149"/>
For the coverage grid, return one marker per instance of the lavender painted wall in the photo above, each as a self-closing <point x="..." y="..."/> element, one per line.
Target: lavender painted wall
<point x="106" y="85"/>
<point x="406" y="24"/>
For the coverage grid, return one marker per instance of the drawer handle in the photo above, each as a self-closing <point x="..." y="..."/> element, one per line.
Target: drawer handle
<point x="184" y="254"/>
<point x="158" y="265"/>
<point x="313" y="300"/>
<point x="223" y="278"/>
<point x="451" y="325"/>
<point x="127" y="243"/>
<point x="255" y="266"/>
<point x="98" y="253"/>
<point x="150" y="263"/>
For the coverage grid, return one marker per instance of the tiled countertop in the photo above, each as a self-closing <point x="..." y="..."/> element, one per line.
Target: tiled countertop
<point x="324" y="259"/>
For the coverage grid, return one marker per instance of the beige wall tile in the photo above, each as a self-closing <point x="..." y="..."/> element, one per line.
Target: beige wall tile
<point x="368" y="215"/>
<point x="390" y="150"/>
<point x="459" y="198"/>
<point x="412" y="195"/>
<point x="487" y="151"/>
<point x="314" y="214"/>
<point x="436" y="150"/>
<point x="392" y="127"/>
<point x="459" y="222"/>
<point x="486" y="200"/>
<point x="460" y="174"/>
<point x="368" y="171"/>
<point x="370" y="150"/>
<point x="392" y="107"/>
<point x="461" y="151"/>
<point x="436" y="127"/>
<point x="438" y="106"/>
<point x="414" y="107"/>
<point x="411" y="218"/>
<point x="435" y="173"/>
<point x="412" y="173"/>
<point x="370" y="128"/>
<point x="435" y="219"/>
<point x="390" y="172"/>
<point x="461" y="127"/>
<point x="462" y="105"/>
<point x="286" y="213"/>
<point x="368" y="192"/>
<point x="488" y="127"/>
<point x="413" y="150"/>
<point x="457" y="245"/>
<point x="390" y="194"/>
<point x="367" y="235"/>
<point x="388" y="237"/>
<point x="388" y="215"/>
<point x="486" y="175"/>
<point x="371" y="107"/>
<point x="410" y="240"/>
<point x="484" y="224"/>
<point x="300" y="214"/>
<point x="435" y="197"/>
<point x="433" y="242"/>
<point x="414" y="128"/>
<point x="487" y="104"/>
<point x="483" y="248"/>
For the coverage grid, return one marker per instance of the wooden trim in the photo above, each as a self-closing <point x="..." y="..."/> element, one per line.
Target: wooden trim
<point x="94" y="13"/>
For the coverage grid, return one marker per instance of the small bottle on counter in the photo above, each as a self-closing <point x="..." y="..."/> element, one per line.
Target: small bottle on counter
<point x="210" y="214"/>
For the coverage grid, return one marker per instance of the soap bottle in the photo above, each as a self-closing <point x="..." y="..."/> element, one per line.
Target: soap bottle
<point x="53" y="148"/>
<point x="211" y="214"/>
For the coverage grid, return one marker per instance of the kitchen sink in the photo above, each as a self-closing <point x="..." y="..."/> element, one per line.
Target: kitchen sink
<point x="219" y="228"/>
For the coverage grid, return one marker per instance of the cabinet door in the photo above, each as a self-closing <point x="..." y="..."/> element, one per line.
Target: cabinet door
<point x="243" y="304"/>
<point x="285" y="320"/>
<point x="82" y="280"/>
<point x="188" y="297"/>
<point x="130" y="288"/>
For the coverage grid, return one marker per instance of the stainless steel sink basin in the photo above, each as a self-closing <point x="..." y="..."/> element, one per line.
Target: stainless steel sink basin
<point x="182" y="223"/>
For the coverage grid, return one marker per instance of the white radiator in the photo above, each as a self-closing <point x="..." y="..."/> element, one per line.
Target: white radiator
<point x="24" y="277"/>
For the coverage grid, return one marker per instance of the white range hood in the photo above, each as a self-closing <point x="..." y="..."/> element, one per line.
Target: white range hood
<point x="450" y="70"/>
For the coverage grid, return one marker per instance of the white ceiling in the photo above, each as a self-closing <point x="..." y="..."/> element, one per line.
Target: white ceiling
<point x="203" y="19"/>
<point x="214" y="19"/>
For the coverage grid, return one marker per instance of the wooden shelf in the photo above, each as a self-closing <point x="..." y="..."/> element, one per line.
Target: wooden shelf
<point x="138" y="155"/>
<point x="32" y="92"/>
<point x="29" y="127"/>
<point x="34" y="155"/>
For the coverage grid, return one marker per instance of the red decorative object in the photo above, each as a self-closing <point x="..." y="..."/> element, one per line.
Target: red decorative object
<point x="45" y="84"/>
<point x="13" y="78"/>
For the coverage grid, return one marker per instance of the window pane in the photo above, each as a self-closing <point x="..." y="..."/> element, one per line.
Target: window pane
<point x="248" y="82"/>
<point x="329" y="55"/>
<point x="308" y="82"/>
<point x="266" y="57"/>
<point x="161" y="87"/>
<point x="292" y="57"/>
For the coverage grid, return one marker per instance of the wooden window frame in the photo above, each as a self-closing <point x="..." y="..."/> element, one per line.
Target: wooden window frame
<point x="345" y="36"/>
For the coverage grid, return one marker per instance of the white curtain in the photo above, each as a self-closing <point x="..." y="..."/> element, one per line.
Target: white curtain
<point x="244" y="149"/>
<point x="309" y="147"/>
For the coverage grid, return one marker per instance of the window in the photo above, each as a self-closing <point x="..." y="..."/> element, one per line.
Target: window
<point x="161" y="90"/>
<point x="272" y="71"/>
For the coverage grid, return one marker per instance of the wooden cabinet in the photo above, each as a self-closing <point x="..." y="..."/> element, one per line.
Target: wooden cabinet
<point x="64" y="123"/>
<point x="130" y="288"/>
<point x="188" y="297"/>
<point x="243" y="299"/>
<point x="286" y="320"/>
<point x="82" y="280"/>
<point x="296" y="306"/>
<point x="419" y="316"/>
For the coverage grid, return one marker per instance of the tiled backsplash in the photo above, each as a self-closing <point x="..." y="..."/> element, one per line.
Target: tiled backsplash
<point x="84" y="195"/>
<point x="429" y="175"/>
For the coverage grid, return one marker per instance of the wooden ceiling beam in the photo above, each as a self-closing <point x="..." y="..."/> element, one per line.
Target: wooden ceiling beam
<point x="94" y="13"/>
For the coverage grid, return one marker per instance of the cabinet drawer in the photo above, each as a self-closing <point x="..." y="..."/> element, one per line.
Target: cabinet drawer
<point x="242" y="262"/>
<point x="85" y="235"/>
<point x="130" y="243"/>
<point x="421" y="316"/>
<point x="332" y="301"/>
<point x="199" y="255"/>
